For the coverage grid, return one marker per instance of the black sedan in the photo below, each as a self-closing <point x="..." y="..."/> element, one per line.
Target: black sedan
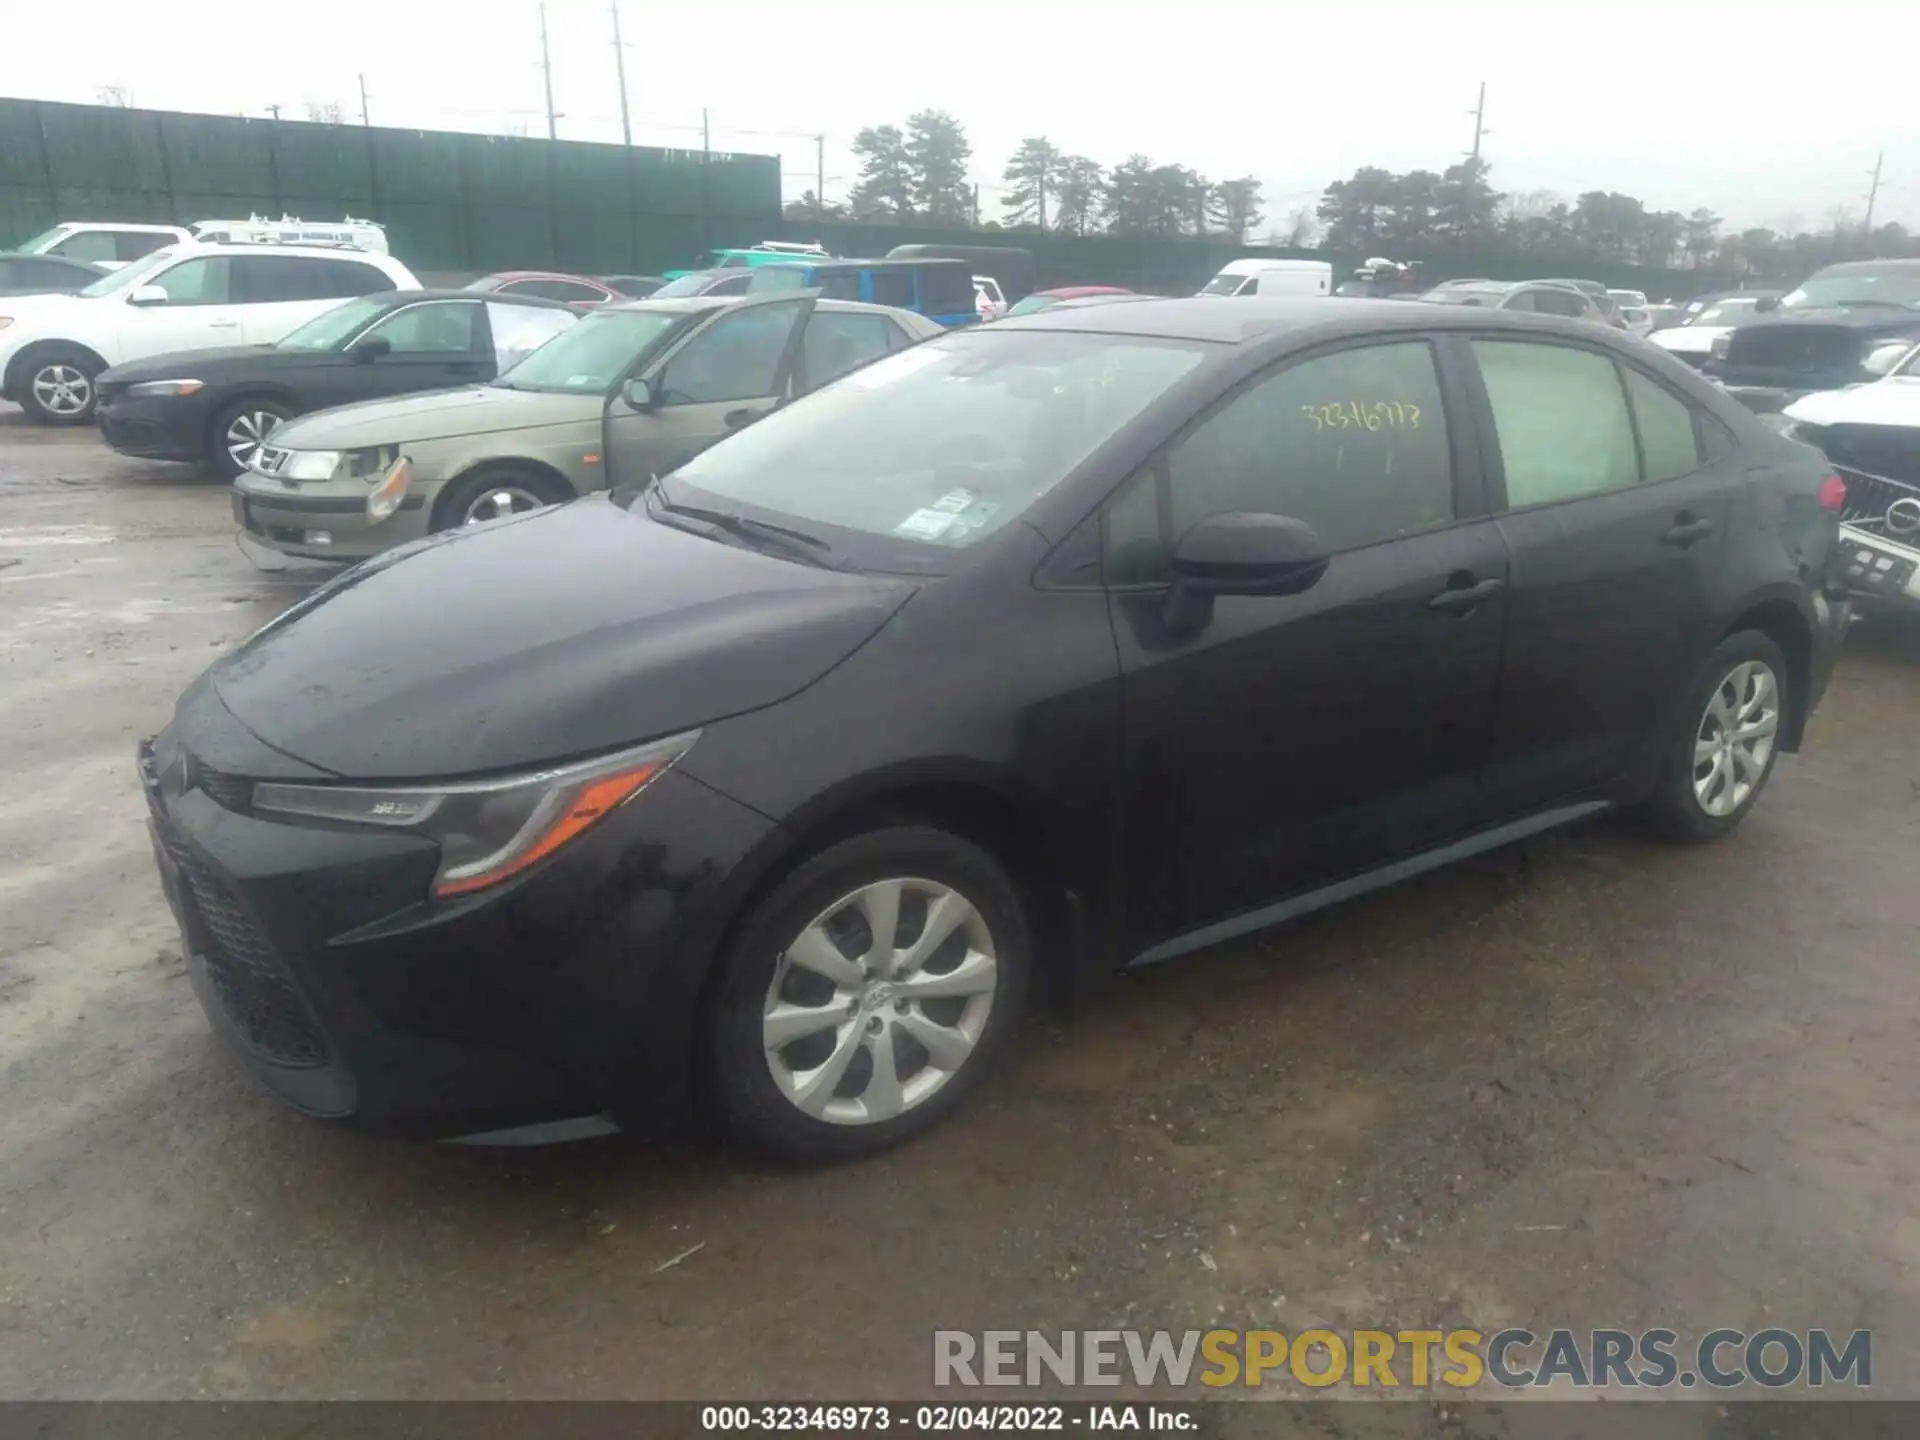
<point x="768" y="790"/>
<point x="216" y="406"/>
<point x="45" y="274"/>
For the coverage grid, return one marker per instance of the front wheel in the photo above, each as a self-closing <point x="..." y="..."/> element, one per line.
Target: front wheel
<point x="239" y="430"/>
<point x="1725" y="742"/>
<point x="494" y="492"/>
<point x="866" y="995"/>
<point x="59" y="387"/>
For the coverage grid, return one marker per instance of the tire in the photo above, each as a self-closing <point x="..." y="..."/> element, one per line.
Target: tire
<point x="228" y="432"/>
<point x="529" y="489"/>
<point x="786" y="1102"/>
<point x="1745" y="678"/>
<point x="56" y="386"/>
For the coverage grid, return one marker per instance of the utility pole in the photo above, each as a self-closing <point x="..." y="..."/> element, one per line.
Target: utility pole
<point x="620" y="69"/>
<point x="1874" y="193"/>
<point x="274" y="110"/>
<point x="363" y="102"/>
<point x="546" y="71"/>
<point x="820" y="177"/>
<point x="1479" y="113"/>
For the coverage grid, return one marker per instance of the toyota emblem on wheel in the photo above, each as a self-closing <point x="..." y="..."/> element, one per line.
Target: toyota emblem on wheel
<point x="1903" y="516"/>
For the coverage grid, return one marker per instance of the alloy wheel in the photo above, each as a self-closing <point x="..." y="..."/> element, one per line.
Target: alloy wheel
<point x="497" y="501"/>
<point x="1735" y="738"/>
<point x="879" y="1001"/>
<point x="245" y="435"/>
<point x="62" y="389"/>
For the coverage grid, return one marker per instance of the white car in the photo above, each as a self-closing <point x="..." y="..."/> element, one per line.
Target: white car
<point x="1692" y="339"/>
<point x="988" y="298"/>
<point x="192" y="296"/>
<point x="106" y="243"/>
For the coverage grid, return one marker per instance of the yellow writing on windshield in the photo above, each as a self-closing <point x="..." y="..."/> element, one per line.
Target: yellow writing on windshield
<point x="1363" y="415"/>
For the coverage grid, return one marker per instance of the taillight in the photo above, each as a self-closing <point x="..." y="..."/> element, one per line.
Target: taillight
<point x="1833" y="493"/>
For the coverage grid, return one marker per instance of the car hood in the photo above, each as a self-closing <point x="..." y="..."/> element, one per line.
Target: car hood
<point x="561" y="633"/>
<point x="1893" y="401"/>
<point x="223" y="362"/>
<point x="1864" y="318"/>
<point x="1689" y="339"/>
<point x="471" y="410"/>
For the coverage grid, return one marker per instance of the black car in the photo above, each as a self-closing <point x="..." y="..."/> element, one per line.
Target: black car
<point x="45" y="274"/>
<point x="1844" y="326"/>
<point x="769" y="789"/>
<point x="217" y="405"/>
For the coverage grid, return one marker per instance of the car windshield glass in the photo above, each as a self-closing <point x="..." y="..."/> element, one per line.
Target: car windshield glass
<point x="1859" y="287"/>
<point x="946" y="442"/>
<point x="1223" y="285"/>
<point x="1724" y="312"/>
<point x="694" y="284"/>
<point x="128" y="276"/>
<point x="1909" y="368"/>
<point x="43" y="239"/>
<point x="1028" y="304"/>
<point x="330" y="331"/>
<point x="588" y="357"/>
<point x="777" y="277"/>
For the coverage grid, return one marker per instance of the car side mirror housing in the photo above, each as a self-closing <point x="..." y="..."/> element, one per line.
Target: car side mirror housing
<point x="371" y="349"/>
<point x="1241" y="554"/>
<point x="638" y="394"/>
<point x="148" y="295"/>
<point x="1766" y="303"/>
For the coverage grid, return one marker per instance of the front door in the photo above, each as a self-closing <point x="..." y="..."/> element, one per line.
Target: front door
<point x="1295" y="740"/>
<point x="1615" y="518"/>
<point x="198" y="313"/>
<point x="726" y="374"/>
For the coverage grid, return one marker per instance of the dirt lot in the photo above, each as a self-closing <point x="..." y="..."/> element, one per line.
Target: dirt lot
<point x="1595" y="1082"/>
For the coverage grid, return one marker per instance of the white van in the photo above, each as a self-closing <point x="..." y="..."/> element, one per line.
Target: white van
<point x="1272" y="277"/>
<point x="292" y="230"/>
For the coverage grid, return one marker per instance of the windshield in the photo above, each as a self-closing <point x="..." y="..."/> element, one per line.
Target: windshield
<point x="777" y="277"/>
<point x="585" y="359"/>
<point x="43" y="240"/>
<point x="128" y="276"/>
<point x="1724" y="312"/>
<point x="693" y="284"/>
<point x="1224" y="285"/>
<point x="1030" y="303"/>
<point x="331" y="330"/>
<point x="1910" y="367"/>
<point x="947" y="442"/>
<point x="1857" y="287"/>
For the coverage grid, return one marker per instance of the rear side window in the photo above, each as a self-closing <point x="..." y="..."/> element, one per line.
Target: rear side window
<point x="1559" y="302"/>
<point x="1668" y="445"/>
<point x="895" y="287"/>
<point x="271" y="279"/>
<point x="137" y="244"/>
<point x="1561" y="418"/>
<point x="946" y="290"/>
<point x="95" y="245"/>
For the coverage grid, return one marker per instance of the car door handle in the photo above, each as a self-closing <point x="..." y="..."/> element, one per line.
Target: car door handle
<point x="1459" y="599"/>
<point x="734" y="419"/>
<point x="1685" y="531"/>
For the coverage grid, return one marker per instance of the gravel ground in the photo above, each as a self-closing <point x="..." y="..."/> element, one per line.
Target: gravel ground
<point x="1591" y="1082"/>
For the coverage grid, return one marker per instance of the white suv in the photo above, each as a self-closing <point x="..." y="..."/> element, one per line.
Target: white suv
<point x="186" y="297"/>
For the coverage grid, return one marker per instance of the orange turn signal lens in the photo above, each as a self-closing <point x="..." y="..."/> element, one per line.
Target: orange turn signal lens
<point x="387" y="495"/>
<point x="574" y="812"/>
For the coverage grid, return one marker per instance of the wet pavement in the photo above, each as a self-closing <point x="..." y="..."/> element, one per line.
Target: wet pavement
<point x="1594" y="1081"/>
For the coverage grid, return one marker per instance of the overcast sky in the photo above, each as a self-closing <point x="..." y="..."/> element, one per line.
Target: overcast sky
<point x="1769" y="118"/>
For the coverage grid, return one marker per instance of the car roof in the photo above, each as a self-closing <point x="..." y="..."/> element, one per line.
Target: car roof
<point x="1074" y="292"/>
<point x="535" y="275"/>
<point x="487" y="297"/>
<point x="701" y="304"/>
<point x="1255" y="318"/>
<point x="53" y="259"/>
<point x="142" y="226"/>
<point x="1858" y="267"/>
<point x="299" y="252"/>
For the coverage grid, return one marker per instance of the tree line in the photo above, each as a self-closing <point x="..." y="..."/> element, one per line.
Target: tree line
<point x="916" y="173"/>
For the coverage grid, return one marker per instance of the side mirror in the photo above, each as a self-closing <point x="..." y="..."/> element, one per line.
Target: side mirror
<point x="148" y="295"/>
<point x="1241" y="554"/>
<point x="638" y="394"/>
<point x="371" y="349"/>
<point x="1766" y="303"/>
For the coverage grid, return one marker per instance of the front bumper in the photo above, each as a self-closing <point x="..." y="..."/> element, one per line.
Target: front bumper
<point x="572" y="991"/>
<point x="153" y="427"/>
<point x="325" y="521"/>
<point x="1882" y="573"/>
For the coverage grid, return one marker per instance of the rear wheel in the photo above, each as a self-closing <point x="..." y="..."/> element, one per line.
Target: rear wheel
<point x="1726" y="740"/>
<point x="494" y="492"/>
<point x="866" y="995"/>
<point x="59" y="387"/>
<point x="238" y="431"/>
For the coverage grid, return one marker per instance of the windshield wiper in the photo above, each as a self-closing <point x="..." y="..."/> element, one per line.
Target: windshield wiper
<point x="797" y="544"/>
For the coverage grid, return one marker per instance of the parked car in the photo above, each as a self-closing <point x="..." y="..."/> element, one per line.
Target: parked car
<point x="941" y="290"/>
<point x="1011" y="266"/>
<point x="1663" y="315"/>
<point x="630" y="390"/>
<point x="23" y="274"/>
<point x="217" y="406"/>
<point x="1871" y="435"/>
<point x="988" y="299"/>
<point x="185" y="297"/>
<point x="767" y="252"/>
<point x="690" y="283"/>
<point x="1843" y="326"/>
<point x="1636" y="319"/>
<point x="777" y="784"/>
<point x="1602" y="298"/>
<point x="1043" y="299"/>
<point x="1271" y="277"/>
<point x="634" y="287"/>
<point x="108" y="244"/>
<point x="1706" y="319"/>
<point x="575" y="290"/>
<point x="1629" y="299"/>
<point x="1539" y="297"/>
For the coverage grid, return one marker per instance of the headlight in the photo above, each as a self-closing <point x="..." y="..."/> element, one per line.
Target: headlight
<point x="309" y="465"/>
<point x="166" y="387"/>
<point x="490" y="830"/>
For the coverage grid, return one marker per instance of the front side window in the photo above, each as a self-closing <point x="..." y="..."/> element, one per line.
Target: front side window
<point x="835" y="344"/>
<point x="206" y="281"/>
<point x="1669" y="446"/>
<point x="1561" y="418"/>
<point x="1223" y="285"/>
<point x="442" y="327"/>
<point x="333" y="329"/>
<point x="737" y="357"/>
<point x="947" y="441"/>
<point x="1353" y="444"/>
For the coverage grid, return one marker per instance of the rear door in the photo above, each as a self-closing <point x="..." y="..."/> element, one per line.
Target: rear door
<point x="279" y="292"/>
<point x="726" y="374"/>
<point x="1615" y="517"/>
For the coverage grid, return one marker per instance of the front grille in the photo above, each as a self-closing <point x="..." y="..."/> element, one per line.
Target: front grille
<point x="231" y="792"/>
<point x="1871" y="498"/>
<point x="246" y="973"/>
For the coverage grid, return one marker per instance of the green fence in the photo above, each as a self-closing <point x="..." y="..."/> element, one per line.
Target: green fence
<point x="450" y="202"/>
